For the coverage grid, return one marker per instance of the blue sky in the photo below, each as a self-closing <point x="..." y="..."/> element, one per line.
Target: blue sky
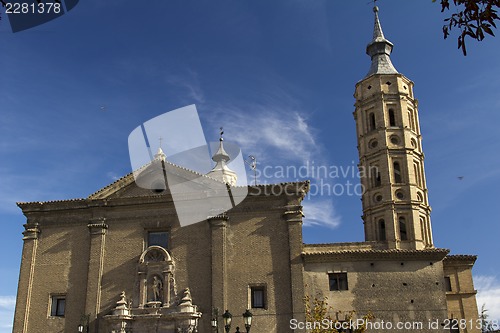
<point x="278" y="75"/>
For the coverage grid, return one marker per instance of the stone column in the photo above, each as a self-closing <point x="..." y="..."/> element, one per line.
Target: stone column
<point x="21" y="316"/>
<point x="167" y="275"/>
<point x="143" y="288"/>
<point x="218" y="226"/>
<point x="97" y="228"/>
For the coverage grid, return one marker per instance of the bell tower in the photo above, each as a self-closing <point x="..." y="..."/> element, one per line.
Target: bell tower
<point x="395" y="205"/>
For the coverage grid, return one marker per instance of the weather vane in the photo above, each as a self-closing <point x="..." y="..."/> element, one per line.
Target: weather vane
<point x="252" y="162"/>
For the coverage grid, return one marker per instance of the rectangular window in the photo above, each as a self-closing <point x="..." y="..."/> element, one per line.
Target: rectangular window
<point x="397" y="172"/>
<point x="375" y="176"/>
<point x="403" y="235"/>
<point x="158" y="238"/>
<point x="258" y="297"/>
<point x="447" y="283"/>
<point x="58" y="305"/>
<point x="338" y="281"/>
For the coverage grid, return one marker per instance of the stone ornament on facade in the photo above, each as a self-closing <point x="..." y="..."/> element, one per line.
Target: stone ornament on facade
<point x="156" y="298"/>
<point x="157" y="287"/>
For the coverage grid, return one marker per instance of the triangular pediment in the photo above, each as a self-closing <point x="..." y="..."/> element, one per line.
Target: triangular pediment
<point x="155" y="178"/>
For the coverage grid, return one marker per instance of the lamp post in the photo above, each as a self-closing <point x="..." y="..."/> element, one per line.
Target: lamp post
<point x="247" y="316"/>
<point x="214" y="323"/>
<point x="84" y="324"/>
<point x="227" y="320"/>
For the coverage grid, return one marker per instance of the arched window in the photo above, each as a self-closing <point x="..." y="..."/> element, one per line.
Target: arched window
<point x="402" y="229"/>
<point x="411" y="120"/>
<point x="381" y="230"/>
<point x="392" y="118"/>
<point x="416" y="169"/>
<point x="397" y="173"/>
<point x="372" y="121"/>
<point x="423" y="230"/>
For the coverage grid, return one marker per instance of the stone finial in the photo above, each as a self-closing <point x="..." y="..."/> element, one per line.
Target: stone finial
<point x="122" y="303"/>
<point x="160" y="155"/>
<point x="186" y="298"/>
<point x="122" y="306"/>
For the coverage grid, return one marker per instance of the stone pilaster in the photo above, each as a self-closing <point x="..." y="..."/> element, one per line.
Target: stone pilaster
<point x="97" y="228"/>
<point x="293" y="215"/>
<point x="21" y="316"/>
<point x="218" y="226"/>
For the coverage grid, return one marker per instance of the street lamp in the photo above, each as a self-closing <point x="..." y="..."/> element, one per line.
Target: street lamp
<point x="214" y="322"/>
<point x="83" y="328"/>
<point x="227" y="320"/>
<point x="84" y="324"/>
<point x="247" y="316"/>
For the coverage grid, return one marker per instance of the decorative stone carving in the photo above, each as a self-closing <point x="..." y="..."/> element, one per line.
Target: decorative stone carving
<point x="154" y="255"/>
<point x="97" y="226"/>
<point x="122" y="308"/>
<point x="31" y="231"/>
<point x="159" y="308"/>
<point x="157" y="289"/>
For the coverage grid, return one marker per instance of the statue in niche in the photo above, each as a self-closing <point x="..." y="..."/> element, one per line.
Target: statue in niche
<point x="157" y="288"/>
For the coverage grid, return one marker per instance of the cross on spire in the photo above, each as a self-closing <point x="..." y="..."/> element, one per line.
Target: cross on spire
<point x="374" y="2"/>
<point x="160" y="139"/>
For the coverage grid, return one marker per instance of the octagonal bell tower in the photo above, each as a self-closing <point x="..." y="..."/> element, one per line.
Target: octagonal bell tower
<point x="395" y="205"/>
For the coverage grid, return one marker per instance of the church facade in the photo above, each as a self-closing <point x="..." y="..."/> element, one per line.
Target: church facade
<point x="119" y="261"/>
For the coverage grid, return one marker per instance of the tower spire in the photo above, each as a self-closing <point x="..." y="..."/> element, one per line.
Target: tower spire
<point x="377" y="30"/>
<point x="221" y="171"/>
<point x="380" y="50"/>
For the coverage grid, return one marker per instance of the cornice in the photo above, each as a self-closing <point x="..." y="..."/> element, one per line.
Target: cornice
<point x="460" y="260"/>
<point x="373" y="254"/>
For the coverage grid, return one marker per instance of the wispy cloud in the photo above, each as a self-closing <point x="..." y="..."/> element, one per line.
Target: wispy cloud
<point x="320" y="212"/>
<point x="7" y="306"/>
<point x="189" y="82"/>
<point x="277" y="132"/>
<point x="488" y="293"/>
<point x="274" y="133"/>
<point x="22" y="188"/>
<point x="113" y="175"/>
<point x="50" y="182"/>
